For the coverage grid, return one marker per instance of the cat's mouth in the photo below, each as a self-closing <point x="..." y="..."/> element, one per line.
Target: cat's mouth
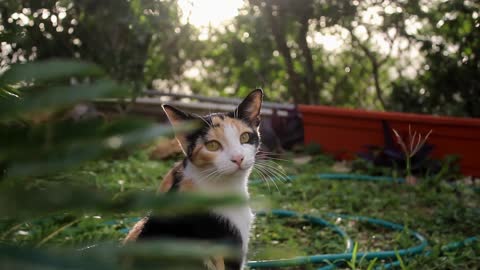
<point x="240" y="169"/>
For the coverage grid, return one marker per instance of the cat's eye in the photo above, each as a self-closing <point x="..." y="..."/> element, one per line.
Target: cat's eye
<point x="245" y="137"/>
<point x="213" y="145"/>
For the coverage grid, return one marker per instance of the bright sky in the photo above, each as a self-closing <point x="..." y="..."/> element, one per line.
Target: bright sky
<point x="202" y="13"/>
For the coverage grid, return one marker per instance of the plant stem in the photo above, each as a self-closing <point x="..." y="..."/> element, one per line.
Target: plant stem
<point x="44" y="240"/>
<point x="409" y="171"/>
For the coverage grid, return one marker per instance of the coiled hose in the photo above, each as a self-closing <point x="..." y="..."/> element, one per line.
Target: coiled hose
<point x="333" y="259"/>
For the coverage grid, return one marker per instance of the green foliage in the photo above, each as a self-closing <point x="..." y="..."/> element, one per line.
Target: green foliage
<point x="402" y="263"/>
<point x="353" y="262"/>
<point x="134" y="41"/>
<point x="27" y="203"/>
<point x="442" y="215"/>
<point x="313" y="148"/>
<point x="48" y="71"/>
<point x="448" y="83"/>
<point x="150" y="255"/>
<point x="38" y="190"/>
<point x="395" y="55"/>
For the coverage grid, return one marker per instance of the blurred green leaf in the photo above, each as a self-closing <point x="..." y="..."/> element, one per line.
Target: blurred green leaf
<point x="40" y="149"/>
<point x="48" y="70"/>
<point x="41" y="99"/>
<point x="19" y="201"/>
<point x="164" y="254"/>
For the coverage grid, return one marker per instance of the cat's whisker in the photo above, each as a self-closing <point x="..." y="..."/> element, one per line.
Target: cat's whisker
<point x="272" y="175"/>
<point x="273" y="164"/>
<point x="272" y="179"/>
<point x="264" y="170"/>
<point x="214" y="176"/>
<point x="263" y="178"/>
<point x="210" y="173"/>
<point x="268" y="157"/>
<point x="269" y="153"/>
<point x="275" y="170"/>
<point x="271" y="158"/>
<point x="269" y="177"/>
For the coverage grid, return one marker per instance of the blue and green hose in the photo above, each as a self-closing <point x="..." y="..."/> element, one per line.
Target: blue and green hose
<point x="334" y="259"/>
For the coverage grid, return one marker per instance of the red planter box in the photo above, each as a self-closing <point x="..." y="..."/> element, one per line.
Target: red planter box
<point x="345" y="132"/>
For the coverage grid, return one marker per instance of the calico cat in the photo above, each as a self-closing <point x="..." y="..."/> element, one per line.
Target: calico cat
<point x="219" y="157"/>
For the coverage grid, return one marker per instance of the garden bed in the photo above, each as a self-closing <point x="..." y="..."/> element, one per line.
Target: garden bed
<point x="346" y="132"/>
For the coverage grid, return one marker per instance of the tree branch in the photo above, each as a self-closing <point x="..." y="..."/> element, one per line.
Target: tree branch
<point x="375" y="66"/>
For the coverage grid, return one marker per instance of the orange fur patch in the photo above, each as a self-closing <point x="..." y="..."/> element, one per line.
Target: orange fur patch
<point x="215" y="263"/>
<point x="167" y="182"/>
<point x="201" y="157"/>
<point x="135" y="231"/>
<point x="219" y="263"/>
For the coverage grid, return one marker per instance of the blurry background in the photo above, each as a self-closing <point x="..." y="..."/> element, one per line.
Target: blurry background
<point x="412" y="56"/>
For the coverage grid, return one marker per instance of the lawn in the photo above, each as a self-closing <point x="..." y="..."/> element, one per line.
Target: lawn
<point x="441" y="212"/>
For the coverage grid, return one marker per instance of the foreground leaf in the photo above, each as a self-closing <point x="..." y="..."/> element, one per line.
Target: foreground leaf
<point x="48" y="70"/>
<point x="162" y="254"/>
<point x="35" y="99"/>
<point x="20" y="202"/>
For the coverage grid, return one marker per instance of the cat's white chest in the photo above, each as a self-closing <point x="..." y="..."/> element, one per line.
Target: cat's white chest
<point x="241" y="217"/>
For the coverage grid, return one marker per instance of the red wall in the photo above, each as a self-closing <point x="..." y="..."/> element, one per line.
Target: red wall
<point x="345" y="132"/>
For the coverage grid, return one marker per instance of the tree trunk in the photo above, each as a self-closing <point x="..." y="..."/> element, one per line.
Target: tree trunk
<point x="281" y="42"/>
<point x="310" y="80"/>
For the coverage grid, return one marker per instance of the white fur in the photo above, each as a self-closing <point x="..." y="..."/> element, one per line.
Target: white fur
<point x="229" y="179"/>
<point x="240" y="216"/>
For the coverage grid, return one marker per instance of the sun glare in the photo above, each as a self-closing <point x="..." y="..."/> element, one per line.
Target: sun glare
<point x="203" y="13"/>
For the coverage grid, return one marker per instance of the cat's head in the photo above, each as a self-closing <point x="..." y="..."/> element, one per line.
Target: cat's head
<point x="223" y="142"/>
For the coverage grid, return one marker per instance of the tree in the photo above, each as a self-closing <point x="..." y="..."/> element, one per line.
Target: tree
<point x="449" y="82"/>
<point x="134" y="41"/>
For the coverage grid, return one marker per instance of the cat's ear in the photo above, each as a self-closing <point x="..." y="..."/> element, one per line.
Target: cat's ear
<point x="178" y="118"/>
<point x="250" y="107"/>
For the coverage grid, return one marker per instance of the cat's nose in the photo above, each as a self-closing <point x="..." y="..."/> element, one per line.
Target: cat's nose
<point x="237" y="159"/>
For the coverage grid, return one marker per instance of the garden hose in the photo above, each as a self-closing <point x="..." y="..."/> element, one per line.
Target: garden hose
<point x="316" y="221"/>
<point x="343" y="176"/>
<point x="448" y="247"/>
<point x="342" y="257"/>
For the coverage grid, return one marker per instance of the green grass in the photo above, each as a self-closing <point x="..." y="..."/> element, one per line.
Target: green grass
<point x="442" y="213"/>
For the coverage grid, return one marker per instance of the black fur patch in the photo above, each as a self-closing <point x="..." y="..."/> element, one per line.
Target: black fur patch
<point x="177" y="178"/>
<point x="194" y="136"/>
<point x="253" y="138"/>
<point x="204" y="227"/>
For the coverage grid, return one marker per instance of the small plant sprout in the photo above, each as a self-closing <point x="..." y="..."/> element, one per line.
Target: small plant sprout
<point x="121" y="183"/>
<point x="410" y="146"/>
